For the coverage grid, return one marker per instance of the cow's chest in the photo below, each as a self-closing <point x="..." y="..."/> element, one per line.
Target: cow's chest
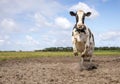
<point x="80" y="46"/>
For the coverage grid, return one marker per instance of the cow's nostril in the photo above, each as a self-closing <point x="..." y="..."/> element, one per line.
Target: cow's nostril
<point x="81" y="26"/>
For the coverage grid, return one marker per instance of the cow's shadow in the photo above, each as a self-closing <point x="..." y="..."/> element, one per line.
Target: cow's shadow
<point x="88" y="66"/>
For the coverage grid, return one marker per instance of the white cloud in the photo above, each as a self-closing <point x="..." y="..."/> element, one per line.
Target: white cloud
<point x="13" y="7"/>
<point x="34" y="29"/>
<point x="85" y="8"/>
<point x="41" y="21"/>
<point x="62" y="22"/>
<point x="50" y="7"/>
<point x="111" y="35"/>
<point x="108" y="38"/>
<point x="56" y="38"/>
<point x="31" y="41"/>
<point x="8" y="25"/>
<point x="46" y="7"/>
<point x="45" y="22"/>
<point x="4" y="40"/>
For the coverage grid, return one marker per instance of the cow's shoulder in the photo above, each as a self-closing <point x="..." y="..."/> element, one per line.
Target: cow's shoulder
<point x="73" y="31"/>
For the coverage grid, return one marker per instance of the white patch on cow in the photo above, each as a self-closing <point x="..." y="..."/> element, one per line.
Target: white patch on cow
<point x="74" y="42"/>
<point x="80" y="14"/>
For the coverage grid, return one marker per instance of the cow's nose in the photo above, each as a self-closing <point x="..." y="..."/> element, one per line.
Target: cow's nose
<point x="80" y="26"/>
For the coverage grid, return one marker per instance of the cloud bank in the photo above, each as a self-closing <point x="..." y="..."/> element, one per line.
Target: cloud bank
<point x="85" y="8"/>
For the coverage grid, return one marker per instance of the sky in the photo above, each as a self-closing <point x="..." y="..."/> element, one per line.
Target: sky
<point x="37" y="24"/>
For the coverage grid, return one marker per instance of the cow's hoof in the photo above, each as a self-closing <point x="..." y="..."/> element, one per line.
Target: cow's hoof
<point x="91" y="66"/>
<point x="82" y="68"/>
<point x="75" y="54"/>
<point x="82" y="55"/>
<point x="88" y="66"/>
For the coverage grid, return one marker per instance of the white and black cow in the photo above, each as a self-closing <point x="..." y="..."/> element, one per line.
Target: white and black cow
<point x="82" y="37"/>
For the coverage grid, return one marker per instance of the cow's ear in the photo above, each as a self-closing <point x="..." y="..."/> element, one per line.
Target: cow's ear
<point x="88" y="14"/>
<point x="72" y="13"/>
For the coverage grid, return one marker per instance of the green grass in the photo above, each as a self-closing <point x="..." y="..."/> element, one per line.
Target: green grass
<point x="107" y="53"/>
<point x="20" y="55"/>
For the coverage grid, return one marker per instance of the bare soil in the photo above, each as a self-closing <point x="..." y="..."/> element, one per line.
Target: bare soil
<point x="60" y="70"/>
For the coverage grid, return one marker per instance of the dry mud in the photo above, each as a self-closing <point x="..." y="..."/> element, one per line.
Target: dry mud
<point x="60" y="70"/>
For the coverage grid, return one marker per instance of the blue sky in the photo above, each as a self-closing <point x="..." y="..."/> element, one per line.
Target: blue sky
<point x="38" y="24"/>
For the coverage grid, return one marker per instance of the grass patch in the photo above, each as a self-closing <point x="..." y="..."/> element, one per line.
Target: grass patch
<point x="21" y="55"/>
<point x="107" y="53"/>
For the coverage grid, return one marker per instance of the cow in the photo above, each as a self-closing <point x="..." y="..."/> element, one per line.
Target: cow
<point x="82" y="37"/>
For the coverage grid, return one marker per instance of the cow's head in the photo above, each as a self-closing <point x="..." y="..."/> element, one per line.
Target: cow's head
<point x="80" y="17"/>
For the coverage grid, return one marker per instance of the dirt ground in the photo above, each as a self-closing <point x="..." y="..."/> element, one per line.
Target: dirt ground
<point x="60" y="70"/>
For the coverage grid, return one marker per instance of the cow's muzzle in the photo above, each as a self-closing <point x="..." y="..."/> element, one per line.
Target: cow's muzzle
<point x="81" y="30"/>
<point x="80" y="26"/>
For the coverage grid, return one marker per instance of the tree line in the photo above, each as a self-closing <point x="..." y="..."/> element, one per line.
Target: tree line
<point x="67" y="49"/>
<point x="56" y="49"/>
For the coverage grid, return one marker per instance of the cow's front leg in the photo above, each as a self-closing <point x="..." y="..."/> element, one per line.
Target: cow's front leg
<point x="85" y="50"/>
<point x="75" y="52"/>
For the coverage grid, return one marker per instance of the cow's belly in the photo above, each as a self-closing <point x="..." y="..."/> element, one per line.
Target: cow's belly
<point x="80" y="46"/>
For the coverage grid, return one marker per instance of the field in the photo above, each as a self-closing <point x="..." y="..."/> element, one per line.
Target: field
<point x="58" y="68"/>
<point x="20" y="55"/>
